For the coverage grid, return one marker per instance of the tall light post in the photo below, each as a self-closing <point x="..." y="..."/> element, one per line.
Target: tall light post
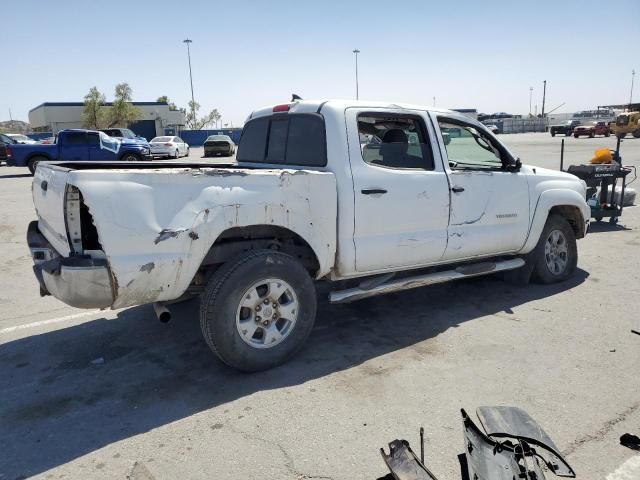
<point x="633" y="74"/>
<point x="193" y="102"/>
<point x="530" y="97"/>
<point x="356" y="52"/>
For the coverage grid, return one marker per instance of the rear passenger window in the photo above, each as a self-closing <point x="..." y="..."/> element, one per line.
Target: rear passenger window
<point x="253" y="143"/>
<point x="94" y="140"/>
<point x="75" y="138"/>
<point x="394" y="141"/>
<point x="292" y="139"/>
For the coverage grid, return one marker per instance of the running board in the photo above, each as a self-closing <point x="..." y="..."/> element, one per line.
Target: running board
<point x="464" y="271"/>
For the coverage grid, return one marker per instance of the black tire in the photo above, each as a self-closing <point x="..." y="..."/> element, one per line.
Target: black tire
<point x="553" y="133"/>
<point x="33" y="162"/>
<point x="575" y="135"/>
<point x="130" y="157"/>
<point x="177" y="154"/>
<point x="541" y="271"/>
<point x="636" y="133"/>
<point x="592" y="134"/>
<point x="220" y="305"/>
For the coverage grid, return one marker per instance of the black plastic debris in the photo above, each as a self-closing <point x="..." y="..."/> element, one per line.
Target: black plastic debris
<point x="511" y="446"/>
<point x="630" y="441"/>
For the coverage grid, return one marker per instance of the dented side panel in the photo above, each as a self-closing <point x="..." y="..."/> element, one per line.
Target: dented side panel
<point x="156" y="226"/>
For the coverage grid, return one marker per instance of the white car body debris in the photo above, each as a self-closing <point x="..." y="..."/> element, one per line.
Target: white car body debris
<point x="335" y="190"/>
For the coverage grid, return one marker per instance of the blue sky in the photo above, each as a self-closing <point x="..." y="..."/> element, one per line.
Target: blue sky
<point x="247" y="54"/>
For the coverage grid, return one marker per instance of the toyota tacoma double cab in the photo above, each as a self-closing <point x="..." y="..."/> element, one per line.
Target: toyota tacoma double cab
<point x="77" y="144"/>
<point x="367" y="197"/>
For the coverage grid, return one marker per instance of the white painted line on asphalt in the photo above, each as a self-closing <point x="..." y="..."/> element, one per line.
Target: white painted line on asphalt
<point x="629" y="470"/>
<point x="48" y="322"/>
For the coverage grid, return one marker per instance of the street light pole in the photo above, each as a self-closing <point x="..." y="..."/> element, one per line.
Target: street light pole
<point x="544" y="95"/>
<point x="633" y="74"/>
<point x="530" y="97"/>
<point x="193" y="102"/>
<point x="356" y="52"/>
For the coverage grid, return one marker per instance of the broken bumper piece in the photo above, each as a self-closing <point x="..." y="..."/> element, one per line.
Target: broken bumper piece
<point x="512" y="446"/>
<point x="80" y="281"/>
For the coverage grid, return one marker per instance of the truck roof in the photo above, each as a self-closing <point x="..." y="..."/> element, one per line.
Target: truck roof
<point x="338" y="105"/>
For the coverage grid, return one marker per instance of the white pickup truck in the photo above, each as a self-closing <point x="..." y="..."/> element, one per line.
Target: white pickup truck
<point x="381" y="197"/>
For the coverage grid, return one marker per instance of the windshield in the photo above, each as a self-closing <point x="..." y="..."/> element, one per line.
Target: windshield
<point x="218" y="138"/>
<point x="161" y="139"/>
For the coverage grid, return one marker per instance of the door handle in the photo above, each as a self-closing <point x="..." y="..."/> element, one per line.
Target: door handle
<point x="373" y="191"/>
<point x="457" y="189"/>
<point x="44" y="185"/>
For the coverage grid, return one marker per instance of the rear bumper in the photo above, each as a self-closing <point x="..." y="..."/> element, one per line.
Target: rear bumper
<point x="79" y="281"/>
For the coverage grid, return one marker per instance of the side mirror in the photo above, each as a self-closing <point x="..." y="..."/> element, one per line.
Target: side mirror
<point x="514" y="165"/>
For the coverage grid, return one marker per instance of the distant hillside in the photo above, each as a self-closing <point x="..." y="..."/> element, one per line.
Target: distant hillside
<point x="15" y="126"/>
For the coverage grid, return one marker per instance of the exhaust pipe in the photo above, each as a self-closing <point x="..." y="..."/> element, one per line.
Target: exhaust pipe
<point x="162" y="312"/>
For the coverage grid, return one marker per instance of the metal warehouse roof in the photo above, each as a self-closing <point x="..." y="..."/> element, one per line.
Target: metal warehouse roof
<point x="81" y="104"/>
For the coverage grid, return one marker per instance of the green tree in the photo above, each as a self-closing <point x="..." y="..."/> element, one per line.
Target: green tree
<point x="165" y="99"/>
<point x="94" y="115"/>
<point x="195" y="123"/>
<point x="122" y="111"/>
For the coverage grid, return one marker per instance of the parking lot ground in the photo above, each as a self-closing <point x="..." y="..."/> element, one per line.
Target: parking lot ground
<point x="104" y="394"/>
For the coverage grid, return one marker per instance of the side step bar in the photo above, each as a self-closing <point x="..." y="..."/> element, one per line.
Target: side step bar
<point x="464" y="271"/>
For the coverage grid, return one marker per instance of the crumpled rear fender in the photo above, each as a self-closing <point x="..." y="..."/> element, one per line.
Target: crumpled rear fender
<point x="157" y="226"/>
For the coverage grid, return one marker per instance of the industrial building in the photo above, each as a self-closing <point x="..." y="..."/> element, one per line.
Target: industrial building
<point x="156" y="118"/>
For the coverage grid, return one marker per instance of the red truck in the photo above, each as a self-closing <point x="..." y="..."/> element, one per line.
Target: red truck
<point x="596" y="128"/>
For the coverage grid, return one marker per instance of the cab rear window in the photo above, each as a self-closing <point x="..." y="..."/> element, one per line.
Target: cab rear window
<point x="290" y="139"/>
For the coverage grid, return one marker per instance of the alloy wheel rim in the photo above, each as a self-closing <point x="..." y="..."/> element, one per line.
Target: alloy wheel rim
<point x="267" y="313"/>
<point x="556" y="252"/>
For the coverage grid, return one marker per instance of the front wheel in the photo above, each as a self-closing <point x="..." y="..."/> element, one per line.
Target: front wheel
<point x="258" y="310"/>
<point x="553" y="133"/>
<point x="556" y="255"/>
<point x="130" y="157"/>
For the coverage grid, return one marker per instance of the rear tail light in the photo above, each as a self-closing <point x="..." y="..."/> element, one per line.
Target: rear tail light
<point x="281" y="108"/>
<point x="9" y="153"/>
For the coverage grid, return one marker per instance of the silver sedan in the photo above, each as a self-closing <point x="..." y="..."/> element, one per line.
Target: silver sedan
<point x="170" y="147"/>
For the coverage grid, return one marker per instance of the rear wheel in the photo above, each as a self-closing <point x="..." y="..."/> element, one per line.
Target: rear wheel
<point x="575" y="135"/>
<point x="636" y="134"/>
<point x="177" y="154"/>
<point x="33" y="162"/>
<point x="592" y="134"/>
<point x="556" y="255"/>
<point x="258" y="310"/>
<point x="553" y="133"/>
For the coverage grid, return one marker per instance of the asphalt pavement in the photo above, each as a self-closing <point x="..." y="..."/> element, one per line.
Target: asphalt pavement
<point x="106" y="394"/>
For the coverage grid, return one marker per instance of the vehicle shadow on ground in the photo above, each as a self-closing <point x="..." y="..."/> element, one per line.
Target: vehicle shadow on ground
<point x="71" y="391"/>
<point x="16" y="175"/>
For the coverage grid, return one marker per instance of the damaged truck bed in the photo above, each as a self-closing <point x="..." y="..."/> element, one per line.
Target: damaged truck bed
<point x="372" y="197"/>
